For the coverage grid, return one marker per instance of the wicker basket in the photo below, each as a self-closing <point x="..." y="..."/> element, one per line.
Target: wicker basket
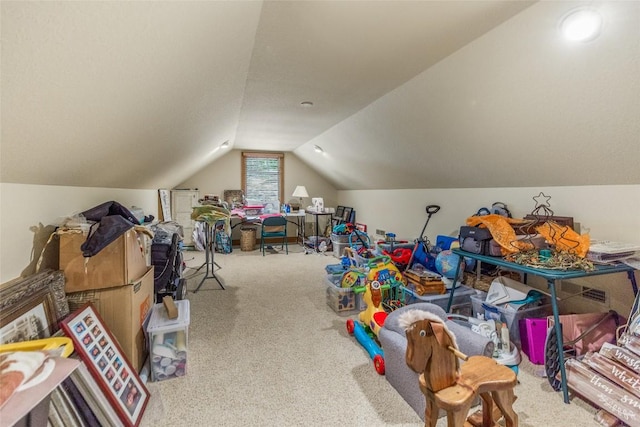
<point x="247" y="239"/>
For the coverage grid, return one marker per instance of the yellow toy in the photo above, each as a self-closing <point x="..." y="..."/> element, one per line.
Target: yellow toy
<point x="56" y="346"/>
<point x="374" y="315"/>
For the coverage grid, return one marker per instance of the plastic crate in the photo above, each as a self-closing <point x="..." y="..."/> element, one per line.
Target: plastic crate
<point x="343" y="301"/>
<point x="168" y="339"/>
<point x="339" y="238"/>
<point x="338" y="248"/>
<point x="511" y="317"/>
<point x="461" y="299"/>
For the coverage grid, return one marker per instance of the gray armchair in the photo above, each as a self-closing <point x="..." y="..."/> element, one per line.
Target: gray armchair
<point x="394" y="344"/>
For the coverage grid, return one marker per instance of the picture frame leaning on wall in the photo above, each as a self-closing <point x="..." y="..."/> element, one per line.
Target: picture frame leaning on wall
<point x="31" y="307"/>
<point x="106" y="362"/>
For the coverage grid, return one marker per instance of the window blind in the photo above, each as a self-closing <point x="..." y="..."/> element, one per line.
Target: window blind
<point x="262" y="178"/>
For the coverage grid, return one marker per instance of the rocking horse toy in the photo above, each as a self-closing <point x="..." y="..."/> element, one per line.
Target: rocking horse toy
<point x="432" y="352"/>
<point x="371" y="320"/>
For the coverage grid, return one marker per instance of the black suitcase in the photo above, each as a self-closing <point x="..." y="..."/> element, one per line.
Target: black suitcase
<point x="475" y="239"/>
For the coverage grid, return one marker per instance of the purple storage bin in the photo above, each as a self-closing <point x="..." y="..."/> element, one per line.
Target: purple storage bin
<point x="533" y="335"/>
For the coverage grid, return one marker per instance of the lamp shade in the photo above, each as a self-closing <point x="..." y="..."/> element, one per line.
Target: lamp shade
<point x="300" y="191"/>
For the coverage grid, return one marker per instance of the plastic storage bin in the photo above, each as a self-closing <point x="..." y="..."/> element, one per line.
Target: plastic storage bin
<point x="168" y="339"/>
<point x="461" y="299"/>
<point x="533" y="335"/>
<point x="338" y="248"/>
<point x="343" y="301"/>
<point x="512" y="318"/>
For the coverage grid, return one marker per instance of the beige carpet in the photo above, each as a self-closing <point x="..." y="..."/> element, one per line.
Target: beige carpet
<point x="268" y="351"/>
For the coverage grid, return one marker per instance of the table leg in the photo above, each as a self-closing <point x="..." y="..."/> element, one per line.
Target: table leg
<point x="455" y="280"/>
<point x="551" y="284"/>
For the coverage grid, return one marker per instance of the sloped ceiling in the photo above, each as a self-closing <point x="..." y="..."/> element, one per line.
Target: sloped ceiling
<point x="142" y="94"/>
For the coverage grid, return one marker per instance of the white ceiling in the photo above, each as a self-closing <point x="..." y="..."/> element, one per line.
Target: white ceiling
<point x="141" y="94"/>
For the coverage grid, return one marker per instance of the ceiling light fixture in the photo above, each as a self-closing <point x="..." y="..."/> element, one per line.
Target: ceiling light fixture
<point x="581" y="25"/>
<point x="318" y="149"/>
<point x="224" y="144"/>
<point x="306" y="104"/>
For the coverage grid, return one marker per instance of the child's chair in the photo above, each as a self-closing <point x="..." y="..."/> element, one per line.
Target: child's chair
<point x="274" y="226"/>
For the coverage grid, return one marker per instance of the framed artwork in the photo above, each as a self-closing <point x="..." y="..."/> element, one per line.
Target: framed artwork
<point x="339" y="212"/>
<point x="30" y="308"/>
<point x="104" y="359"/>
<point x="346" y="215"/>
<point x="165" y="203"/>
<point x="361" y="227"/>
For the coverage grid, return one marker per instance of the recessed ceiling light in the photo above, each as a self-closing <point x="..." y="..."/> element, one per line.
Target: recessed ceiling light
<point x="225" y="144"/>
<point x="318" y="149"/>
<point x="581" y="25"/>
<point x="306" y="104"/>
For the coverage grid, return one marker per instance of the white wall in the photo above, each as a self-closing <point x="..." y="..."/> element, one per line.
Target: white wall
<point x="608" y="212"/>
<point x="605" y="212"/>
<point x="27" y="213"/>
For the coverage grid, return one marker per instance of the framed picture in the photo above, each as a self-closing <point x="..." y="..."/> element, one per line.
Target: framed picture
<point x="361" y="227"/>
<point x="31" y="307"/>
<point x="339" y="212"/>
<point x="165" y="203"/>
<point x="104" y="359"/>
<point x="346" y="215"/>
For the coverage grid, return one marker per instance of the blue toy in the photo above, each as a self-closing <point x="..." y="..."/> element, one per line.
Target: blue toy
<point x="375" y="352"/>
<point x="371" y="320"/>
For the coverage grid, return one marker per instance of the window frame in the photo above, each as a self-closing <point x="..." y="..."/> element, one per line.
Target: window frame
<point x="263" y="154"/>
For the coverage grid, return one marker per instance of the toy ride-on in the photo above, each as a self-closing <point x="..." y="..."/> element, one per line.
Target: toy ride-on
<point x="371" y="320"/>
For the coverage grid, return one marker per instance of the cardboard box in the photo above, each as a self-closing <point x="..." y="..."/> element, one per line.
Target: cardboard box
<point x="124" y="310"/>
<point x="121" y="262"/>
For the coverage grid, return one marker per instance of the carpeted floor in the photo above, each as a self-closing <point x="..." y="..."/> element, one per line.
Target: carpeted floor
<point x="268" y="351"/>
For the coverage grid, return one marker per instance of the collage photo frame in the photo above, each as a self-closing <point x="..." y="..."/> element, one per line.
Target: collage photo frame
<point x="104" y="358"/>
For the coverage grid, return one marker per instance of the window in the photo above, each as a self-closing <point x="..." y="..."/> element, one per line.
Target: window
<point x="263" y="176"/>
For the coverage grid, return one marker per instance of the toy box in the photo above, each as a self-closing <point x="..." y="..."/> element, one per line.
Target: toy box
<point x="343" y="301"/>
<point x="511" y="317"/>
<point x="168" y="339"/>
<point x="461" y="299"/>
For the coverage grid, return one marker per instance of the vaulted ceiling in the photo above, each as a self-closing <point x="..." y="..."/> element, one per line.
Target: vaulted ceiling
<point x="142" y="94"/>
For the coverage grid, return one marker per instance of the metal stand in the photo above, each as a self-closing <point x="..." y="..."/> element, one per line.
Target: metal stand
<point x="317" y="236"/>
<point x="209" y="252"/>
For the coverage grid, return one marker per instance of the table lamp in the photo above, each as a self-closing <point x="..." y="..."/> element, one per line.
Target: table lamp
<point x="300" y="192"/>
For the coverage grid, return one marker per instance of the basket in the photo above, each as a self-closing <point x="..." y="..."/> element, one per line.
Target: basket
<point x="247" y="239"/>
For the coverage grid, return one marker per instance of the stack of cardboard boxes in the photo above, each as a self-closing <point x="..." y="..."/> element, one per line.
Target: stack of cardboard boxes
<point x="119" y="283"/>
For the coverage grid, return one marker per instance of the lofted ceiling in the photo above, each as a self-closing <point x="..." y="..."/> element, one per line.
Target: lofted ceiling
<point x="142" y="94"/>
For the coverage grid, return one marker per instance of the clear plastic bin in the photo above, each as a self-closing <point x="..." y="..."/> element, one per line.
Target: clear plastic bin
<point x="512" y="318"/>
<point x="343" y="301"/>
<point x="461" y="299"/>
<point x="168" y="339"/>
